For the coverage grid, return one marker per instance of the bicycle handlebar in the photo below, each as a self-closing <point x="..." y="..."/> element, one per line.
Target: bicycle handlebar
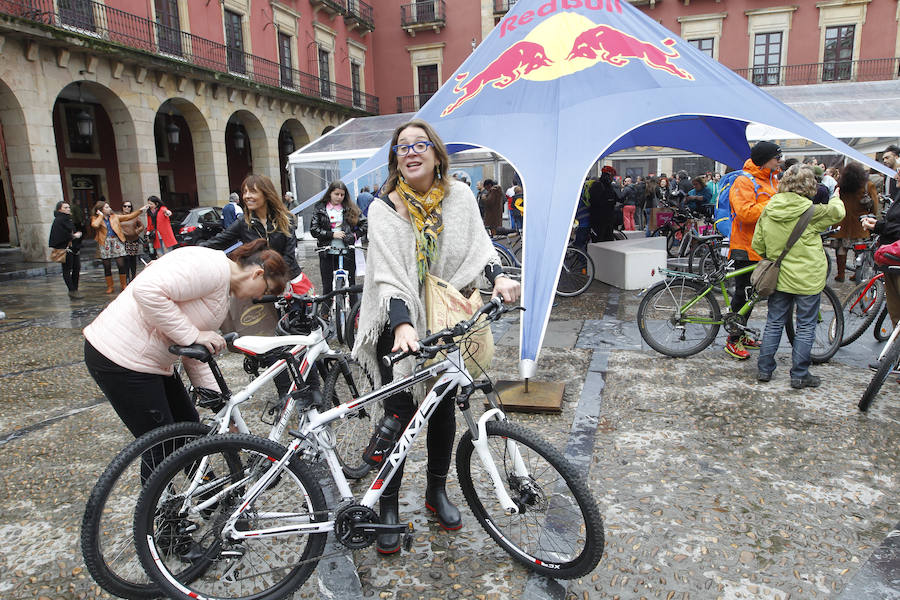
<point x="428" y="348"/>
<point x="353" y="289"/>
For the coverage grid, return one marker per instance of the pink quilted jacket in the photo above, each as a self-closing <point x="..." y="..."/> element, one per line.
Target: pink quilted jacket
<point x="170" y="302"/>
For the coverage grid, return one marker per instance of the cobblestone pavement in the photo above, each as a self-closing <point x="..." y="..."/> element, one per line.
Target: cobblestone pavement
<point x="710" y="484"/>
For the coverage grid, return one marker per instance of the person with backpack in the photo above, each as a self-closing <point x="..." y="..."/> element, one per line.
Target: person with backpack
<point x="748" y="193"/>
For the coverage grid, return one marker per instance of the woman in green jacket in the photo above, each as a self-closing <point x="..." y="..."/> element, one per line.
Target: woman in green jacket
<point x="803" y="270"/>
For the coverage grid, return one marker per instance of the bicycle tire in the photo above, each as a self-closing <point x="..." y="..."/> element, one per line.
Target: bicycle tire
<point x="888" y="364"/>
<point x="507" y="258"/>
<point x="293" y="495"/>
<point x="113" y="564"/>
<point x="672" y="244"/>
<point x="860" y="309"/>
<point x="704" y="259"/>
<point x="340" y="318"/>
<point x="576" y="273"/>
<point x="829" y="328"/>
<point x="555" y="503"/>
<point x="883" y="326"/>
<point x="352" y="324"/>
<point x="352" y="433"/>
<point x="658" y="317"/>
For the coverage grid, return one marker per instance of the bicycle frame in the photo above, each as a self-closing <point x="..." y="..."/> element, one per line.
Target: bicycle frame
<point x="865" y="291"/>
<point x="452" y="375"/>
<point x="752" y="299"/>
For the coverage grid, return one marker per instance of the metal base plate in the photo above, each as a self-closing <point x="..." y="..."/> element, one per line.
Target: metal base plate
<point x="542" y="396"/>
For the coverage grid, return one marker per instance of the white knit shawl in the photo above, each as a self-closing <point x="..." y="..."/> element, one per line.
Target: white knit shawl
<point x="463" y="250"/>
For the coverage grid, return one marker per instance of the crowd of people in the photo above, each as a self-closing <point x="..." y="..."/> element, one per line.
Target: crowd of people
<point x="425" y="220"/>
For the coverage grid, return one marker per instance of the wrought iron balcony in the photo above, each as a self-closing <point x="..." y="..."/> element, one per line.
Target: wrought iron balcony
<point x="412" y="103"/>
<point x="98" y="21"/>
<point x="430" y="14"/>
<point x="359" y="14"/>
<point x="333" y="7"/>
<point x="873" y="69"/>
<point x="501" y="7"/>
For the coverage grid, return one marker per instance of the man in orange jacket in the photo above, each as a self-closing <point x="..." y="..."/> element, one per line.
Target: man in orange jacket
<point x="748" y="199"/>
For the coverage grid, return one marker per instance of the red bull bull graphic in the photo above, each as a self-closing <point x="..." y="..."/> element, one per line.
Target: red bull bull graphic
<point x="561" y="45"/>
<point x="516" y="61"/>
<point x="617" y="48"/>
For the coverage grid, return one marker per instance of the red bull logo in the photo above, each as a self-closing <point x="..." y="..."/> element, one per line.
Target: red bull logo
<point x="518" y="60"/>
<point x="617" y="48"/>
<point x="561" y="45"/>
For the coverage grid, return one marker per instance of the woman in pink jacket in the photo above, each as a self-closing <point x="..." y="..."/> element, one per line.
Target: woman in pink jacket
<point x="182" y="298"/>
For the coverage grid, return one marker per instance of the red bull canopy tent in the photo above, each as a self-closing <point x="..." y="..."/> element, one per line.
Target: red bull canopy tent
<point x="559" y="83"/>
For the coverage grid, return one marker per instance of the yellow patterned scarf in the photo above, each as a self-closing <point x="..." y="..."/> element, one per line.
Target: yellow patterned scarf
<point x="425" y="214"/>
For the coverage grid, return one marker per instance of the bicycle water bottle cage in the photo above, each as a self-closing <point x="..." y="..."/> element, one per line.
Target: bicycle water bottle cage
<point x="207" y="398"/>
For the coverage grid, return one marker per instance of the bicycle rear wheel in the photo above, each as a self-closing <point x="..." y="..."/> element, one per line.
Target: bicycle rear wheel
<point x="173" y="535"/>
<point x="558" y="530"/>
<point x="107" y="532"/>
<point x="888" y="364"/>
<point x="671" y="330"/>
<point x="576" y="274"/>
<point x="861" y="308"/>
<point x="829" y="327"/>
<point x="883" y="326"/>
<point x="352" y="433"/>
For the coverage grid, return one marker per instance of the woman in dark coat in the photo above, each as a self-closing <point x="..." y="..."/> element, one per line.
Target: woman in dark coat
<point x="603" y="203"/>
<point x="337" y="220"/>
<point x="64" y="235"/>
<point x="265" y="217"/>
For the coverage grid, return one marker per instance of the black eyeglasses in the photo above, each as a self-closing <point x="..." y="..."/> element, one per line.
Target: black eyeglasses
<point x="417" y="148"/>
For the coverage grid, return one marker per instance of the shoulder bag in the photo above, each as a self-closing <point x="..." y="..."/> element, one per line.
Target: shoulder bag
<point x="59" y="254"/>
<point x="445" y="307"/>
<point x="764" y="278"/>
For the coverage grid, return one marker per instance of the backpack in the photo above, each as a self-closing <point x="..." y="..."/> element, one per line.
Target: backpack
<point x="724" y="214"/>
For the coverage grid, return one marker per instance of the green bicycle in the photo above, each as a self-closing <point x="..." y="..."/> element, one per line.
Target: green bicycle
<point x="680" y="316"/>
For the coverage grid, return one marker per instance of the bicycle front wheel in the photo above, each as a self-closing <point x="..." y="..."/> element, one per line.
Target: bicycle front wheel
<point x="352" y="324"/>
<point x="670" y="328"/>
<point x="182" y="546"/>
<point x="829" y="328"/>
<point x="888" y="364"/>
<point x="107" y="532"/>
<point x="352" y="433"/>
<point x="558" y="530"/>
<point x="340" y="318"/>
<point x="861" y="308"/>
<point x="577" y="272"/>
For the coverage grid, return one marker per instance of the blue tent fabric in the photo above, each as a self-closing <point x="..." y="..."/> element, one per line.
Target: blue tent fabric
<point x="560" y="83"/>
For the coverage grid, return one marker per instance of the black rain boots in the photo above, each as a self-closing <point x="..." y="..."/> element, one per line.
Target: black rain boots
<point x="389" y="543"/>
<point x="436" y="501"/>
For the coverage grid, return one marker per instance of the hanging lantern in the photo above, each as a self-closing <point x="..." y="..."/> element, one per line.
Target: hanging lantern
<point x="240" y="140"/>
<point x="173" y="134"/>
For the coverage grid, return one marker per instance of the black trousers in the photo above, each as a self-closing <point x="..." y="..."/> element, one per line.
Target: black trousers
<point x="741" y="283"/>
<point x="131" y="266"/>
<point x="144" y="401"/>
<point x="71" y="270"/>
<point x="441" y="427"/>
<point x="328" y="263"/>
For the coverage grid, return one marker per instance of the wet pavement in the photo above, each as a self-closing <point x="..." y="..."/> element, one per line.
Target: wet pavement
<point x="711" y="485"/>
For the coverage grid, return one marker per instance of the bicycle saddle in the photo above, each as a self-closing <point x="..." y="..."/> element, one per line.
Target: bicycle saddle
<point x="712" y="236"/>
<point x="257" y="344"/>
<point x="199" y="351"/>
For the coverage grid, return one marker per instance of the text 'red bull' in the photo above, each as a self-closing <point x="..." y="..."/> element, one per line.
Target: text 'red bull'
<point x="616" y="48"/>
<point x="516" y="61"/>
<point x="510" y="22"/>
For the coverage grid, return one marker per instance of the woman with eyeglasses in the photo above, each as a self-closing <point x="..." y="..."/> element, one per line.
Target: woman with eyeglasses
<point x="423" y="222"/>
<point x="132" y="231"/>
<point x="181" y="298"/>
